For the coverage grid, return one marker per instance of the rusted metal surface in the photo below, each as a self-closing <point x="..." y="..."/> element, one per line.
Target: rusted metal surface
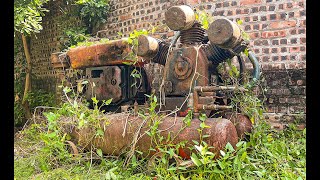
<point x="106" y="82"/>
<point x="182" y="78"/>
<point x="204" y="97"/>
<point x="174" y="103"/>
<point x="119" y="134"/>
<point x="183" y="67"/>
<point x="241" y="122"/>
<point x="59" y="60"/>
<point x="186" y="71"/>
<point x="179" y="17"/>
<point x="98" y="54"/>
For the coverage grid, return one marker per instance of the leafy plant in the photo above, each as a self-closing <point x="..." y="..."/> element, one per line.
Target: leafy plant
<point x="93" y="12"/>
<point x="28" y="16"/>
<point x="204" y="18"/>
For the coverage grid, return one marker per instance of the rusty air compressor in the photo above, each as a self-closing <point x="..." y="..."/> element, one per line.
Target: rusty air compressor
<point x="182" y="74"/>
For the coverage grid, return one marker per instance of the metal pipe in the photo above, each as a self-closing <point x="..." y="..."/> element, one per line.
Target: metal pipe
<point x="213" y="107"/>
<point x="217" y="88"/>
<point x="175" y="38"/>
<point x="256" y="67"/>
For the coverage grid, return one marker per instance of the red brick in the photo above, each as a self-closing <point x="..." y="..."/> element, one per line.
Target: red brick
<point x="282" y="24"/>
<point x="192" y="2"/>
<point x="294" y="49"/>
<point x="253" y="35"/>
<point x="248" y="2"/>
<point x="268" y="34"/>
<point x="125" y="17"/>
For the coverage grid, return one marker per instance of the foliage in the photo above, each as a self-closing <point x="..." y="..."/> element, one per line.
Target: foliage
<point x="90" y="14"/>
<point x="39" y="97"/>
<point x="268" y="154"/>
<point x="243" y="33"/>
<point x="93" y="12"/>
<point x="204" y="18"/>
<point x="35" y="98"/>
<point x="28" y="16"/>
<point x="245" y="102"/>
<point x="72" y="36"/>
<point x="89" y="43"/>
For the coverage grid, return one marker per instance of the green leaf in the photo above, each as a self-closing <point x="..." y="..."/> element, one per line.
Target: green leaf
<point x="66" y="90"/>
<point x="99" y="132"/>
<point x="195" y="160"/>
<point x="229" y="147"/>
<point x="221" y="164"/>
<point x="222" y="153"/>
<point x="196" y="142"/>
<point x="202" y="117"/>
<point x="85" y="82"/>
<point x="206" y="136"/>
<point x="108" y="101"/>
<point x="81" y="123"/>
<point x="240" y="143"/>
<point x="203" y="125"/>
<point x="81" y="116"/>
<point x="239" y="176"/>
<point x="199" y="148"/>
<point x="172" y="169"/>
<point x="94" y="99"/>
<point x="246" y="52"/>
<point x="127" y="63"/>
<point x="75" y="104"/>
<point x="258" y="173"/>
<point x="243" y="156"/>
<point x="99" y="152"/>
<point x="51" y="135"/>
<point x="130" y="40"/>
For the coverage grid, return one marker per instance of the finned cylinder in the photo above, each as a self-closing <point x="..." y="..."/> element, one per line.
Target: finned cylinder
<point x="180" y="17"/>
<point x="147" y="46"/>
<point x="224" y="33"/>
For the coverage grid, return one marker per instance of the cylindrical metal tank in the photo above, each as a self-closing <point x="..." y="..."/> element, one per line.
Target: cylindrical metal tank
<point x="120" y="132"/>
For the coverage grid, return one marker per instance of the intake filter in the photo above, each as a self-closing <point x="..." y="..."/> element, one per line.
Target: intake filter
<point x="179" y="17"/>
<point x="147" y="46"/>
<point x="152" y="48"/>
<point x="224" y="33"/>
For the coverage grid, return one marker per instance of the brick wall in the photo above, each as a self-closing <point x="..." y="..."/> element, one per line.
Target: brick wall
<point x="277" y="29"/>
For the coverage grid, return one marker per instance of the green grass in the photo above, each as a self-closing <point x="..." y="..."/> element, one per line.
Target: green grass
<point x="269" y="154"/>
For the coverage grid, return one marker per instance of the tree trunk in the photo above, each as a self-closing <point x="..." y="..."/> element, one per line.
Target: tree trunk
<point x="27" y="87"/>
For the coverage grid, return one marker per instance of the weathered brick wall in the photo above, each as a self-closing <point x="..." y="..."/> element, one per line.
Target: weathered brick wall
<point x="277" y="29"/>
<point x="47" y="42"/>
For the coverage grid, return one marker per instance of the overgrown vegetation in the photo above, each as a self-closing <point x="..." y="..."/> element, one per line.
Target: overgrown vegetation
<point x="89" y="14"/>
<point x="42" y="153"/>
<point x="27" y="21"/>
